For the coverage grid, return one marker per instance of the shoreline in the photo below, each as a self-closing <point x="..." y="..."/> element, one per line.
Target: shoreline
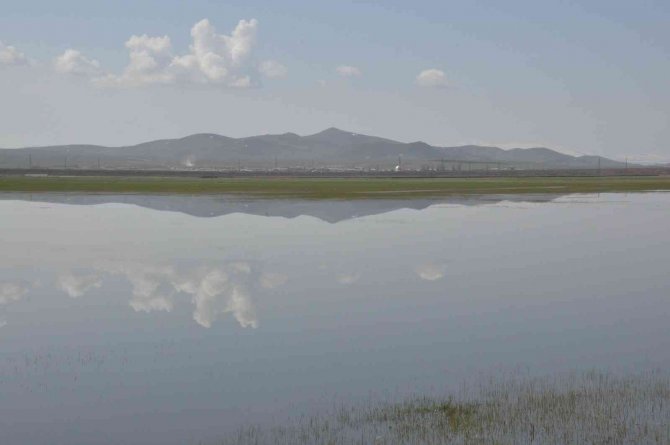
<point x="332" y="188"/>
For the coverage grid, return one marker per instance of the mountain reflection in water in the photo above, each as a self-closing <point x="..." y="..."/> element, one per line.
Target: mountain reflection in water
<point x="218" y="205"/>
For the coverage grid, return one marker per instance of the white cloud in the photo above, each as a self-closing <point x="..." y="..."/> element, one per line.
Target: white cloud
<point x="348" y="278"/>
<point x="10" y="56"/>
<point x="74" y="62"/>
<point x="272" y="68"/>
<point x="77" y="285"/>
<point x="149" y="59"/>
<point x="217" y="58"/>
<point x="10" y="292"/>
<point x="431" y="78"/>
<point x="348" y="71"/>
<point x="212" y="59"/>
<point x="430" y="271"/>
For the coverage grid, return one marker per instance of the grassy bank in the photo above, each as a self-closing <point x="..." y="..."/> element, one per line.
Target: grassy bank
<point x="586" y="409"/>
<point x="334" y="188"/>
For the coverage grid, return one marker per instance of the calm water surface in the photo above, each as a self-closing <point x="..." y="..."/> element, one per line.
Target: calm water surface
<point x="172" y="320"/>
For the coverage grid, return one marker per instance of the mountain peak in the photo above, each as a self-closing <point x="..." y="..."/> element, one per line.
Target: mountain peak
<point x="332" y="131"/>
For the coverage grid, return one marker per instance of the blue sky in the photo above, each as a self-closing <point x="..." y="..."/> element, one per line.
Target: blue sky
<point x="582" y="77"/>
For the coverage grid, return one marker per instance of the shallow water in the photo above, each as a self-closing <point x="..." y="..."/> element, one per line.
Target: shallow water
<point x="173" y="319"/>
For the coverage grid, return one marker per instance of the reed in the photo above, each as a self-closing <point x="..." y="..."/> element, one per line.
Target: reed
<point x="588" y="408"/>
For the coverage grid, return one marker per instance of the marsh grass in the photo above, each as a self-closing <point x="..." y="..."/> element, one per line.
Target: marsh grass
<point x="590" y="408"/>
<point x="329" y="188"/>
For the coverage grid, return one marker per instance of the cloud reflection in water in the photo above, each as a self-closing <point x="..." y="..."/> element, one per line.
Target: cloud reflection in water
<point x="213" y="290"/>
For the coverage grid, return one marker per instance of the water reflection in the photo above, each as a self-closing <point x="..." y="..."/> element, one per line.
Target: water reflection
<point x="213" y="290"/>
<point x="77" y="284"/>
<point x="121" y="318"/>
<point x="430" y="271"/>
<point x="10" y="292"/>
<point x="216" y="291"/>
<point x="332" y="211"/>
<point x="223" y="284"/>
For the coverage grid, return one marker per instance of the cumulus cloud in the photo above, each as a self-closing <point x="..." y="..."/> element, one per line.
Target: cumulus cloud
<point x="430" y="271"/>
<point x="431" y="78"/>
<point x="150" y="59"/>
<point x="10" y="292"/>
<point x="348" y="71"/>
<point x="10" y="56"/>
<point x="212" y="58"/>
<point x="74" y="62"/>
<point x="218" y="58"/>
<point x="272" y="68"/>
<point x="77" y="285"/>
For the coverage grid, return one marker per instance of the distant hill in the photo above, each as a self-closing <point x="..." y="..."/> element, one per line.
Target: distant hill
<point x="329" y="148"/>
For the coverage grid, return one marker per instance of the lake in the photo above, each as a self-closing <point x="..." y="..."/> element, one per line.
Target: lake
<point x="175" y="319"/>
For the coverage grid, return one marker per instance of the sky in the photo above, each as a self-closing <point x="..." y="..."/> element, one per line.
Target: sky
<point x="582" y="77"/>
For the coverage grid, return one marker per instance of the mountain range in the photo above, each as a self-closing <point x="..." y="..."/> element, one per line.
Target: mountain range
<point x="332" y="148"/>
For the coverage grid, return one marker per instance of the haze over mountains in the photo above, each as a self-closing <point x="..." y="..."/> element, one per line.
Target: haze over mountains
<point x="330" y="148"/>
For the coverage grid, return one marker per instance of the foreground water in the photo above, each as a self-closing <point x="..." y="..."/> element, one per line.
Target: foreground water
<point x="170" y="320"/>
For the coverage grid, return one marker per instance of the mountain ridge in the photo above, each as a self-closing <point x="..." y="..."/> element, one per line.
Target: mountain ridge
<point x="331" y="147"/>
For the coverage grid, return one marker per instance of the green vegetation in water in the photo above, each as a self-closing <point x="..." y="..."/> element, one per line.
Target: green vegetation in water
<point x="346" y="188"/>
<point x="591" y="408"/>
